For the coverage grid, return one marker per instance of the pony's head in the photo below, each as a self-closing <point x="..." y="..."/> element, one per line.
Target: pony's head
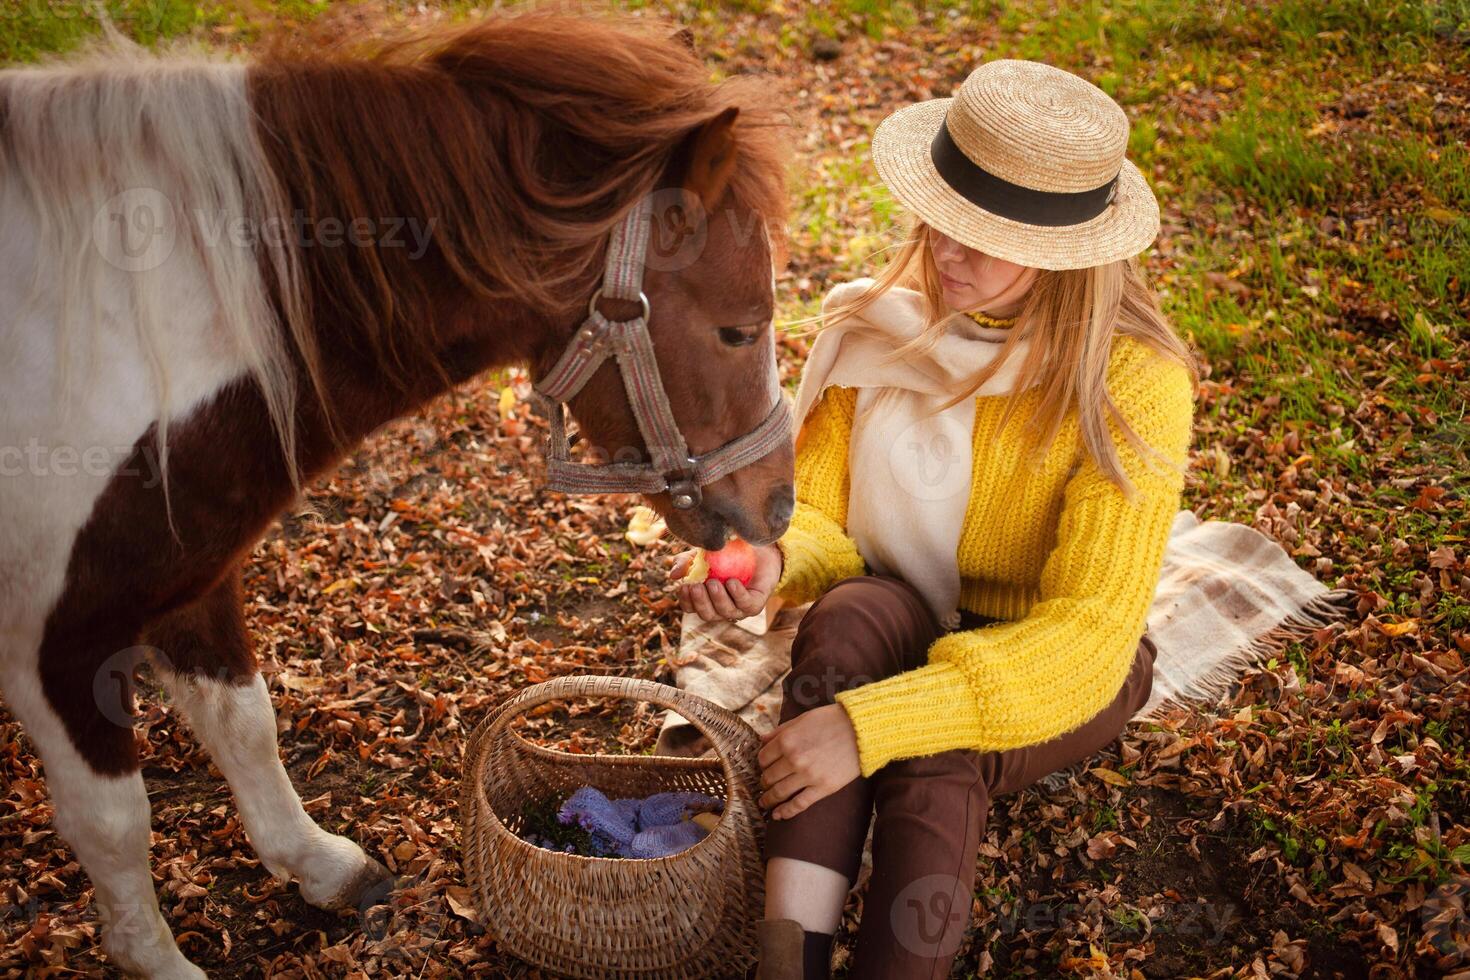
<point x="599" y="113"/>
<point x="522" y="141"/>
<point x="710" y="289"/>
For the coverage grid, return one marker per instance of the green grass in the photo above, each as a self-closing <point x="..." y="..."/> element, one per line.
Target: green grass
<point x="1263" y="150"/>
<point x="31" y="28"/>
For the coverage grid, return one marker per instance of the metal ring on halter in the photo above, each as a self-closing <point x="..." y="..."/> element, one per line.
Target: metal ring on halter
<point x="684" y="493"/>
<point x="642" y="298"/>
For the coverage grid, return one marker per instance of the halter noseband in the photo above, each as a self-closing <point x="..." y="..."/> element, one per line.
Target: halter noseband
<point x="672" y="468"/>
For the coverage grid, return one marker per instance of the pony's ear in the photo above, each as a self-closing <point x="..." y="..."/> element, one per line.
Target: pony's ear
<point x="685" y="37"/>
<point x="712" y="158"/>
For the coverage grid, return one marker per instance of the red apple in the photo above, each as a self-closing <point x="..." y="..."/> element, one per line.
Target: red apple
<point x="735" y="560"/>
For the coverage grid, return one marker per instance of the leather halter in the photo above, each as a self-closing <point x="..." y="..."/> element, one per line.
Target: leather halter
<point x="672" y="467"/>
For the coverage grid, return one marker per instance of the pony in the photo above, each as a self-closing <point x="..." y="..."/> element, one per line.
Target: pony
<point x="217" y="277"/>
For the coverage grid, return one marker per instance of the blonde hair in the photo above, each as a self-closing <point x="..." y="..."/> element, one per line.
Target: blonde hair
<point x="1070" y="319"/>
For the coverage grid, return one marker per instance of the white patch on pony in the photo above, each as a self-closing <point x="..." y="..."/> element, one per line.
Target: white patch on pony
<point x="105" y="820"/>
<point x="100" y="343"/>
<point x="105" y="335"/>
<point x="150" y="201"/>
<point x="237" y="725"/>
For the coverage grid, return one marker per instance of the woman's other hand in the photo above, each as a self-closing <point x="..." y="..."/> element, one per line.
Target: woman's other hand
<point x="809" y="757"/>
<point x="713" y="599"/>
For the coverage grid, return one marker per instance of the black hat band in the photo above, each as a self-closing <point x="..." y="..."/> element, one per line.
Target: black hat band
<point x="1001" y="197"/>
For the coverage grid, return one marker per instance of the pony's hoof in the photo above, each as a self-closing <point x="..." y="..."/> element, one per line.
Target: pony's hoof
<point x="348" y="888"/>
<point x="372" y="885"/>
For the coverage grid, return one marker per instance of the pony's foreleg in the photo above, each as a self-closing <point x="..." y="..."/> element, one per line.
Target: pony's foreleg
<point x="237" y="725"/>
<point x="103" y="816"/>
<point x="210" y="673"/>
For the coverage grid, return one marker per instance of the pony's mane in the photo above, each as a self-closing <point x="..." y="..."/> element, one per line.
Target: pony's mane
<point x="521" y="139"/>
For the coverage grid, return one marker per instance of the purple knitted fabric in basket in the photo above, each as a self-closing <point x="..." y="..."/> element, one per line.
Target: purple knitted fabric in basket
<point x="657" y="842"/>
<point x="647" y="828"/>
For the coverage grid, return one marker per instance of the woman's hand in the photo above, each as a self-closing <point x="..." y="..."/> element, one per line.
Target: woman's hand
<point x="811" y="756"/>
<point x="728" y="600"/>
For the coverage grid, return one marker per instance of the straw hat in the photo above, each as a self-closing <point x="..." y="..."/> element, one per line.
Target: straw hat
<point x="1026" y="162"/>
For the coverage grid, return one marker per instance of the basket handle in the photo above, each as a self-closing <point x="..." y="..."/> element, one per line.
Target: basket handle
<point x="735" y="742"/>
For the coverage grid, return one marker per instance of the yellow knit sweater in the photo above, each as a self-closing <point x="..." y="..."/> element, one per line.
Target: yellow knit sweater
<point x="1057" y="552"/>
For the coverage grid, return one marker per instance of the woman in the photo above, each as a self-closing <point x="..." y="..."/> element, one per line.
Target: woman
<point x="992" y="446"/>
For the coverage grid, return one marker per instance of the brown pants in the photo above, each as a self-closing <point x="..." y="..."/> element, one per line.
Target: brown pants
<point x="930" y="812"/>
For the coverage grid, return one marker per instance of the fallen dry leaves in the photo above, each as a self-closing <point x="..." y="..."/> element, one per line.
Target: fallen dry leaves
<point x="1316" y="826"/>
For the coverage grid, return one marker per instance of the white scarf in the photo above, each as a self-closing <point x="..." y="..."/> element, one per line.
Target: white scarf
<point x="910" y="465"/>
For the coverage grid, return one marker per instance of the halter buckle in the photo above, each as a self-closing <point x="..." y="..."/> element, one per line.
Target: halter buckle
<point x="684" y="491"/>
<point x="684" y="494"/>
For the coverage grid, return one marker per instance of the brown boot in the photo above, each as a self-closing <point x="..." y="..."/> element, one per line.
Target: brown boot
<point x="781" y="944"/>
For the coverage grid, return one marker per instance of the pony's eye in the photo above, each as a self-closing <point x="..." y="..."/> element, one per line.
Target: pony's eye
<point x="738" y="336"/>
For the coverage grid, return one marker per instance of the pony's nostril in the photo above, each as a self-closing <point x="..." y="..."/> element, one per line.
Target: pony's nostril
<point x="781" y="506"/>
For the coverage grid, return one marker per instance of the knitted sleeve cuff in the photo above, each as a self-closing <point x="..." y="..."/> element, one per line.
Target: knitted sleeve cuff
<point x="815" y="553"/>
<point x="916" y="713"/>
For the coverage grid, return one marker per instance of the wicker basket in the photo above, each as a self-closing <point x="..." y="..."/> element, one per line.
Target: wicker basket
<point x="689" y="915"/>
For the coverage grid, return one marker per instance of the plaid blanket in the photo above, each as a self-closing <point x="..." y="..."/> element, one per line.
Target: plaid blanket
<point x="1228" y="597"/>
